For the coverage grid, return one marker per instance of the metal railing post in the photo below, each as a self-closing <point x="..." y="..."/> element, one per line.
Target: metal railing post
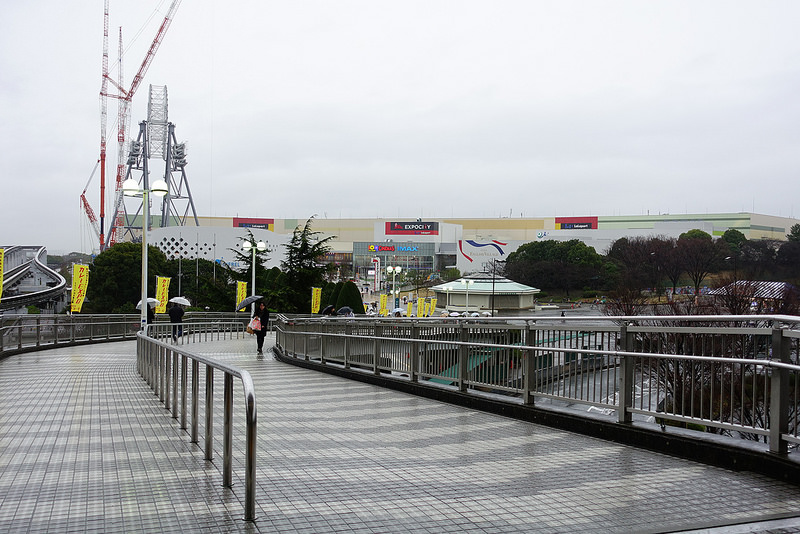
<point x="528" y="366"/>
<point x="779" y="394"/>
<point x="227" y="424"/>
<point x="414" y="371"/>
<point x="376" y="349"/>
<point x="321" y="329"/>
<point x="152" y="362"/>
<point x="195" y="398"/>
<point x="250" y="456"/>
<point x="463" y="357"/>
<point x="209" y="412"/>
<point x="184" y="385"/>
<point x="167" y="367"/>
<point x="348" y="330"/>
<point x="157" y="388"/>
<point x="174" y="385"/>
<point x="625" y="396"/>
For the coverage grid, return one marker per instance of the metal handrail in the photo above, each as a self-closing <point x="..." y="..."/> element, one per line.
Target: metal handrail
<point x="536" y="350"/>
<point x="19" y="333"/>
<point x="161" y="364"/>
<point x="26" y="332"/>
<point x="539" y="348"/>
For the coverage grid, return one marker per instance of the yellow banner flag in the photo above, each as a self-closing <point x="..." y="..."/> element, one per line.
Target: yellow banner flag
<point x="426" y="308"/>
<point x="383" y="310"/>
<point x="410" y="309"/>
<point x="80" y="281"/>
<point x="2" y="259"/>
<point x="162" y="293"/>
<point x="433" y="307"/>
<point x="241" y="292"/>
<point x="316" y="297"/>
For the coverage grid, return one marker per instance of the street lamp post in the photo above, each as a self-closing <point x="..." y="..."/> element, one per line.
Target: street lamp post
<point x="494" y="275"/>
<point x="467" y="283"/>
<point x="247" y="245"/>
<point x="131" y="188"/>
<point x="448" y="289"/>
<point x="394" y="271"/>
<point x="735" y="275"/>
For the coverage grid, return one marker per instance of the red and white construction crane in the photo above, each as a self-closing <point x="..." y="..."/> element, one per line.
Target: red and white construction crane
<point x="124" y="98"/>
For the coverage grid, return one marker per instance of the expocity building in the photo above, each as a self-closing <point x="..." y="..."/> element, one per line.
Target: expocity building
<point x="363" y="248"/>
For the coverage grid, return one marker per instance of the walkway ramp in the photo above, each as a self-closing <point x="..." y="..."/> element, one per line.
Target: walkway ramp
<point x="86" y="446"/>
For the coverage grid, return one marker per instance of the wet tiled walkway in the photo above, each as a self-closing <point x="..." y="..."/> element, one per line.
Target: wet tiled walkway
<point x="85" y="446"/>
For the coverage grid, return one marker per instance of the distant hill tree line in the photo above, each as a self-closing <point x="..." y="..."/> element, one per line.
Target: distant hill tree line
<point x="632" y="264"/>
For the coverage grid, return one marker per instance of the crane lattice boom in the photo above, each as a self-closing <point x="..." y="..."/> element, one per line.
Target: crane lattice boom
<point x="124" y="98"/>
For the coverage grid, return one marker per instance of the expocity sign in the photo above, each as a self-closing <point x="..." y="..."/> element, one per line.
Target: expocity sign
<point x="412" y="228"/>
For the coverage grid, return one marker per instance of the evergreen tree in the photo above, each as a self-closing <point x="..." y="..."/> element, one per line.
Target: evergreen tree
<point x="303" y="267"/>
<point x="794" y="233"/>
<point x="349" y="295"/>
<point x="327" y="293"/>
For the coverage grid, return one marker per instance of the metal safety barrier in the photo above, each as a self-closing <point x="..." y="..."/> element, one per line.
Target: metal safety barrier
<point x="731" y="375"/>
<point x="19" y="333"/>
<point x="165" y="367"/>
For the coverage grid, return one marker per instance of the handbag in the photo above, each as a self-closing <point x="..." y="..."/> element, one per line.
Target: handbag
<point x="255" y="324"/>
<point x="249" y="330"/>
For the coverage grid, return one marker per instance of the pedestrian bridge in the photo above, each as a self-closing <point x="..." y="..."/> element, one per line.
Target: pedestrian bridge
<point x="87" y="444"/>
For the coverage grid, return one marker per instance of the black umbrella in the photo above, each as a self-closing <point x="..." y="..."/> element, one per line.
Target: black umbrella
<point x="344" y="310"/>
<point x="328" y="310"/>
<point x="247" y="301"/>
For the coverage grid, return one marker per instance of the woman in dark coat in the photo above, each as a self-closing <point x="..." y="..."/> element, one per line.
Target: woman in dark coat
<point x="263" y="315"/>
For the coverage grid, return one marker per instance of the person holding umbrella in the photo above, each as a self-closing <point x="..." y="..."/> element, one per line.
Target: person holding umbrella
<point x="262" y="314"/>
<point x="176" y="315"/>
<point x="176" y="318"/>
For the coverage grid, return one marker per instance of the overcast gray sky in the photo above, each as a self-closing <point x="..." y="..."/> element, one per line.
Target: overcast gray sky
<point x="432" y="108"/>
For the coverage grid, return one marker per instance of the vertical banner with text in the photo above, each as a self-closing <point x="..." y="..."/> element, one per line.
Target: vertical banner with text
<point x="410" y="309"/>
<point x="383" y="310"/>
<point x="316" y="297"/>
<point x="433" y="307"/>
<point x="241" y="292"/>
<point x="80" y="281"/>
<point x="162" y="293"/>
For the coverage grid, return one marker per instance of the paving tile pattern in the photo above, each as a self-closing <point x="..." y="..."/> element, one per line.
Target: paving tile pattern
<point x="85" y="446"/>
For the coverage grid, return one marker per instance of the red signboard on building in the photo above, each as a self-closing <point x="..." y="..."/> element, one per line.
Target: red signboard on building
<point x="412" y="228"/>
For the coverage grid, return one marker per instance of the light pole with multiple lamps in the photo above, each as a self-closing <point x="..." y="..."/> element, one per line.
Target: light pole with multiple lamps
<point x="261" y="246"/>
<point x="394" y="271"/>
<point x="467" y="283"/>
<point x="130" y="188"/>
